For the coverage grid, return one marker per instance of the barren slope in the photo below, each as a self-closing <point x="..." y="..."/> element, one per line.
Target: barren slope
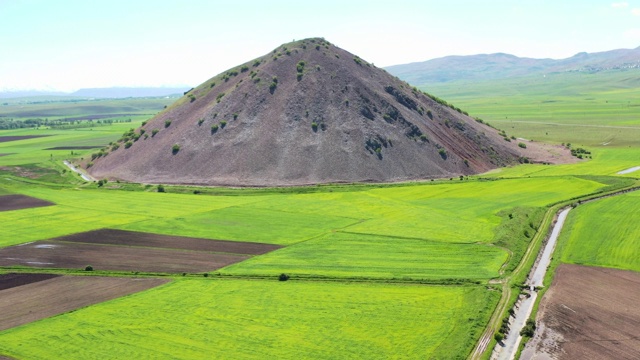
<point x="308" y="112"/>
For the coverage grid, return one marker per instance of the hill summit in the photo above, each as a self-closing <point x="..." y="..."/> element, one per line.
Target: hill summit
<point x="306" y="113"/>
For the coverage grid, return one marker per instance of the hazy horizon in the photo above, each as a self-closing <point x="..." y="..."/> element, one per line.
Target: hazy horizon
<point x="68" y="45"/>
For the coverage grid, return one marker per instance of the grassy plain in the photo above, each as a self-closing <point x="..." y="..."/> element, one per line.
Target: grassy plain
<point x="265" y="319"/>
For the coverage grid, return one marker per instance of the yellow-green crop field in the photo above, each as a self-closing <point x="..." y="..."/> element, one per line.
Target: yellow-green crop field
<point x="605" y="233"/>
<point x="260" y="319"/>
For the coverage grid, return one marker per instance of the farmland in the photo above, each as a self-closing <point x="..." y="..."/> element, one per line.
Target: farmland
<point x="376" y="270"/>
<point x="264" y="319"/>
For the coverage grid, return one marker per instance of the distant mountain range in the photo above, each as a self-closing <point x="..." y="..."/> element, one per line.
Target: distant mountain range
<point x="103" y="93"/>
<point x="500" y="65"/>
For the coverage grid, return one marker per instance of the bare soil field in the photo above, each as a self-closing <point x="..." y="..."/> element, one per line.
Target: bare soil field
<point x="132" y="238"/>
<point x="16" y="138"/>
<point x="67" y="255"/>
<point x="7" y="281"/>
<point x="588" y="313"/>
<point x="75" y="147"/>
<point x="6" y="154"/>
<point x="17" y="202"/>
<point x="24" y="304"/>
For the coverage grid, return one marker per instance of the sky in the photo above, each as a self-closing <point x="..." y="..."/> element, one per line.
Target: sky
<point x="65" y="45"/>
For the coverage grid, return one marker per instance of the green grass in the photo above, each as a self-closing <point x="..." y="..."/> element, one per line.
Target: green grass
<point x="232" y="319"/>
<point x="347" y="255"/>
<point x="246" y="223"/>
<point x="604" y="233"/>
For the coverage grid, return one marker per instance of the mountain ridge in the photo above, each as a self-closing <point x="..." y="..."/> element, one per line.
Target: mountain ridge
<point x="502" y="65"/>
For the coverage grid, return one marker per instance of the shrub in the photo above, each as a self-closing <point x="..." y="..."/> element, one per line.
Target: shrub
<point x="145" y="122"/>
<point x="423" y="137"/>
<point x="154" y="132"/>
<point x="300" y="66"/>
<point x="200" y="122"/>
<point x="443" y="153"/>
<point x="358" y="60"/>
<point x="314" y="126"/>
<point x="219" y="97"/>
<point x="273" y="86"/>
<point x="499" y="337"/>
<point x="175" y="148"/>
<point x="214" y="129"/>
<point x="528" y="329"/>
<point x="115" y="147"/>
<point x="128" y="144"/>
<point x="167" y="123"/>
<point x="223" y="124"/>
<point x="88" y="268"/>
<point x="522" y="145"/>
<point x="161" y="188"/>
<point x="244" y="68"/>
<point x="235" y="116"/>
<point x="212" y="84"/>
<point x="283" y="277"/>
<point x="256" y="63"/>
<point x="192" y="98"/>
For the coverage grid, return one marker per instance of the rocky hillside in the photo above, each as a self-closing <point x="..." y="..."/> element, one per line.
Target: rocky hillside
<point x="308" y="112"/>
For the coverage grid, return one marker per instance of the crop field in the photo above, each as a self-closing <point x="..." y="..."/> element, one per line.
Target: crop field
<point x="605" y="233"/>
<point x="265" y="319"/>
<point x="31" y="297"/>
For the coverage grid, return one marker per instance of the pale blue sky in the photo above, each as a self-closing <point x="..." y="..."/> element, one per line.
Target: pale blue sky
<point x="69" y="44"/>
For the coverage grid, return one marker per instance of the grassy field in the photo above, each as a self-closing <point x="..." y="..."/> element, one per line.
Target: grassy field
<point x="604" y="233"/>
<point x="265" y="319"/>
<point x="444" y="231"/>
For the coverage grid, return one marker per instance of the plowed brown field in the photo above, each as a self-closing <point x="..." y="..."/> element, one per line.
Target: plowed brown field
<point x="17" y="202"/>
<point x="589" y="313"/>
<point x="38" y="300"/>
<point x="63" y="255"/>
<point x="132" y="238"/>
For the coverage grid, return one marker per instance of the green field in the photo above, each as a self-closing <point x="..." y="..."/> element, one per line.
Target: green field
<point x="604" y="233"/>
<point x="231" y="319"/>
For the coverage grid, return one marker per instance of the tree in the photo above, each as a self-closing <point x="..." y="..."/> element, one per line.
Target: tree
<point x="283" y="277"/>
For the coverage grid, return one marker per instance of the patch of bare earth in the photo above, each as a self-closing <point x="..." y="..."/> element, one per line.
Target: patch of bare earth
<point x="38" y="300"/>
<point x="67" y="255"/>
<point x="588" y="313"/>
<point x="133" y="238"/>
<point x="5" y="155"/>
<point x="8" y="281"/>
<point x="17" y="202"/>
<point x="87" y="147"/>
<point x="547" y="153"/>
<point x="16" y="138"/>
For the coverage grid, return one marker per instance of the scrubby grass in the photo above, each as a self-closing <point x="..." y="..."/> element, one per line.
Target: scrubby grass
<point x="604" y="233"/>
<point x="347" y="255"/>
<point x="235" y="319"/>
